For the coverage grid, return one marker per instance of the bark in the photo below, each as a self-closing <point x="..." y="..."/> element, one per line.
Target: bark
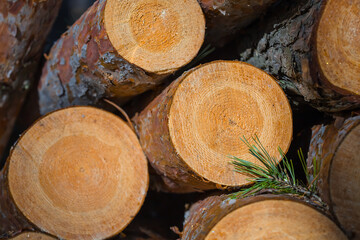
<point x="84" y="67"/>
<point x="224" y="18"/>
<point x="205" y="214"/>
<point x="324" y="146"/>
<point x="176" y="176"/>
<point x="12" y="222"/>
<point x="282" y="44"/>
<point x="24" y="25"/>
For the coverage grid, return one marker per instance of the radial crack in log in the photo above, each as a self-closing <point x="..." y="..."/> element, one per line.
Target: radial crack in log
<point x="192" y="127"/>
<point x="119" y="49"/>
<point x="78" y="173"/>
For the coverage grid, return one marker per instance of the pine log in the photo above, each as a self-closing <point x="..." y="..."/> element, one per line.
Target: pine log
<point x="337" y="146"/>
<point x="119" y="49"/>
<point x="192" y="127"/>
<point x="33" y="236"/>
<point x="259" y="217"/>
<point x="77" y="173"/>
<point x="312" y="47"/>
<point x="24" y="25"/>
<point x="224" y="18"/>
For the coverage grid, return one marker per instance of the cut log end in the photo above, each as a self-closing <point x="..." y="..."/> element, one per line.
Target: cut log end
<point x="275" y="219"/>
<point x="159" y="36"/>
<point x="78" y="173"/>
<point x="217" y="104"/>
<point x="337" y="44"/>
<point x="33" y="236"/>
<point x="344" y="182"/>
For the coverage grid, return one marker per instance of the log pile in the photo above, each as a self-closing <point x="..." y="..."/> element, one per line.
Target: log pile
<point x="81" y="172"/>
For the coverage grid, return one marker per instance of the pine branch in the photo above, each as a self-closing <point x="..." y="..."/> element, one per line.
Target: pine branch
<point x="275" y="178"/>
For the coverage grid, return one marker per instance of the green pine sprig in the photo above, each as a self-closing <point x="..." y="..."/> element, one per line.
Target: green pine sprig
<point x="274" y="177"/>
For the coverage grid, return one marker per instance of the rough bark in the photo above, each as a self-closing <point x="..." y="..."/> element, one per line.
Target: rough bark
<point x="324" y="146"/>
<point x="12" y="222"/>
<point x="84" y="67"/>
<point x="205" y="214"/>
<point x="224" y="18"/>
<point x="282" y="44"/>
<point x="173" y="173"/>
<point x="24" y="25"/>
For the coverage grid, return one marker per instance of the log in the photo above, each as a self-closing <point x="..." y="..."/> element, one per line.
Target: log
<point x="259" y="217"/>
<point x="337" y="146"/>
<point x="312" y="47"/>
<point x="24" y="25"/>
<point x="119" y="49"/>
<point x="224" y="18"/>
<point x="33" y="236"/>
<point x="191" y="128"/>
<point x="77" y="173"/>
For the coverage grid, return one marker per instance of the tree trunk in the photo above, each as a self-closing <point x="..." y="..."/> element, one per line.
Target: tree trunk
<point x="337" y="147"/>
<point x="33" y="236"/>
<point x="192" y="127"/>
<point x="224" y="18"/>
<point x="119" y="49"/>
<point x="264" y="216"/>
<point x="76" y="173"/>
<point x="313" y="51"/>
<point x="24" y="25"/>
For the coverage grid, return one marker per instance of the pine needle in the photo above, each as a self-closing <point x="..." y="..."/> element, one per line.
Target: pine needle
<point x="272" y="177"/>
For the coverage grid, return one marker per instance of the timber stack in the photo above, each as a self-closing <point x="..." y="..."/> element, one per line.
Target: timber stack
<point x="82" y="172"/>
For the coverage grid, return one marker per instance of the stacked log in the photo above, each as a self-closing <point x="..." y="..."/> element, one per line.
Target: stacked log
<point x="224" y="18"/>
<point x="33" y="236"/>
<point x="85" y="178"/>
<point x="191" y="128"/>
<point x="312" y="48"/>
<point x="259" y="217"/>
<point x="119" y="49"/>
<point x="24" y="25"/>
<point x="337" y="147"/>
